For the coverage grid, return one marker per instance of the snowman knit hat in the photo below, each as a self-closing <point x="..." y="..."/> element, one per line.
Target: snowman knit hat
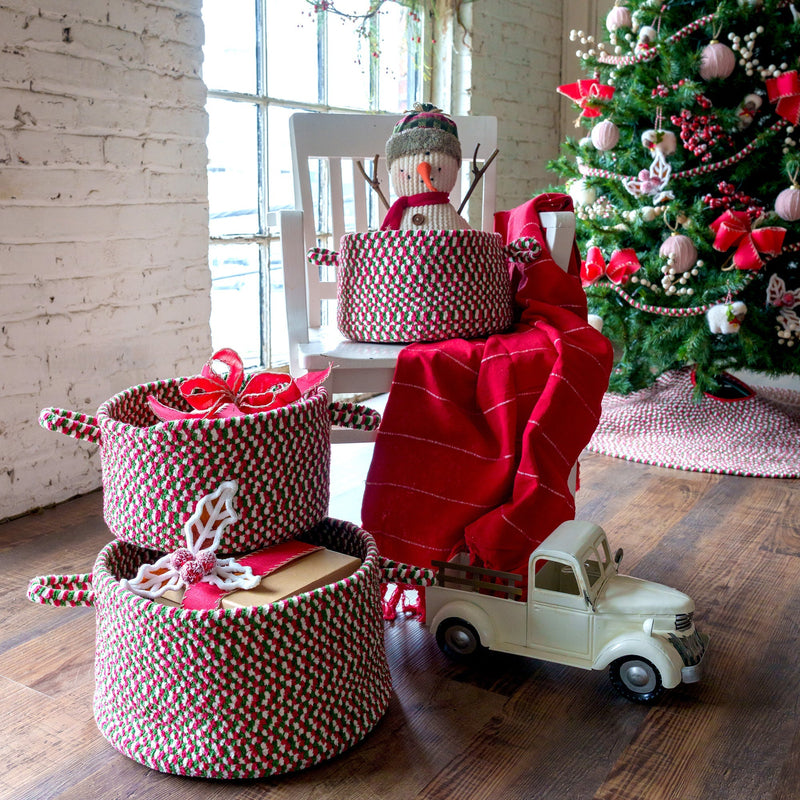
<point x="424" y="128"/>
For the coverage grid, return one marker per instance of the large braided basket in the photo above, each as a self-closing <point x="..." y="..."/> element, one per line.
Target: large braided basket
<point x="409" y="286"/>
<point x="239" y="693"/>
<point x="154" y="473"/>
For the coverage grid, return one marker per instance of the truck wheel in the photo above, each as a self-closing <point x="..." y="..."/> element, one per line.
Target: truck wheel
<point x="637" y="679"/>
<point x="458" y="640"/>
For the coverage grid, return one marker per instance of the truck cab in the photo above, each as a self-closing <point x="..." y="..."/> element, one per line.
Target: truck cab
<point x="578" y="611"/>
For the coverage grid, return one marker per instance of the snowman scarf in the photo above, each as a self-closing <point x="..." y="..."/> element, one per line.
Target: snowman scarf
<point x="394" y="215"/>
<point x="479" y="436"/>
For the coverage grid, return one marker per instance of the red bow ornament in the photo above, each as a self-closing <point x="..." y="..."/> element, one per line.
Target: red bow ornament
<point x="585" y="92"/>
<point x="785" y="90"/>
<point x="621" y="265"/>
<point x="221" y="397"/>
<point x="733" y="230"/>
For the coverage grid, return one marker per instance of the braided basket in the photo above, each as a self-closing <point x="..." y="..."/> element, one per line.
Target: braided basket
<point x="154" y="473"/>
<point x="410" y="286"/>
<point x="239" y="693"/>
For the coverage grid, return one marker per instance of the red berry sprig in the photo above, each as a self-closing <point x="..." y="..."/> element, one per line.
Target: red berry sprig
<point x="701" y="134"/>
<point x="731" y="198"/>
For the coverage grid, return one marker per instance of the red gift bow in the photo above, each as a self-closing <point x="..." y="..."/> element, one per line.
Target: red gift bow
<point x="733" y="230"/>
<point x="584" y="92"/>
<point x="621" y="265"/>
<point x="218" y="397"/>
<point x="786" y="90"/>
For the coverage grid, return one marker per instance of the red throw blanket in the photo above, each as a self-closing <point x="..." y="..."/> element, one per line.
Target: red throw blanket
<point x="479" y="436"/>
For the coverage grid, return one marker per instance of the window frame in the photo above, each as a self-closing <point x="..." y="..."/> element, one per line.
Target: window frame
<point x="266" y="238"/>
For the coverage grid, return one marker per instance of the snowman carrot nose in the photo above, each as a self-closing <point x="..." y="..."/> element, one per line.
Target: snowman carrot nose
<point x="424" y="169"/>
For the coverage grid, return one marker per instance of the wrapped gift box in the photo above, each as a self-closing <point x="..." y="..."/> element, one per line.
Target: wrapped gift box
<point x="310" y="572"/>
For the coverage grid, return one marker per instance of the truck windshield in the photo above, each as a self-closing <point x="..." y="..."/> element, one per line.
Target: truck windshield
<point x="596" y="562"/>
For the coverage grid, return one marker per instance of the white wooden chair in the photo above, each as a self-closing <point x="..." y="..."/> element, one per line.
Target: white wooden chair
<point x="338" y="141"/>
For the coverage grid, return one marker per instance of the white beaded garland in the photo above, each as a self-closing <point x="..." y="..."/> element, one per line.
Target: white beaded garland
<point x="716" y="61"/>
<point x="787" y="204"/>
<point x="605" y="135"/>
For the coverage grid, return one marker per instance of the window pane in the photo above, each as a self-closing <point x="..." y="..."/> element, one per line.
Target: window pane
<point x="232" y="167"/>
<point x="349" y="62"/>
<point x="279" y="342"/>
<point x="279" y="153"/>
<point x="236" y="300"/>
<point x="397" y="74"/>
<point x="229" y="53"/>
<point x="292" y="55"/>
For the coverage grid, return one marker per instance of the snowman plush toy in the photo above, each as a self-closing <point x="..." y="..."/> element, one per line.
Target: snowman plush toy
<point x="424" y="159"/>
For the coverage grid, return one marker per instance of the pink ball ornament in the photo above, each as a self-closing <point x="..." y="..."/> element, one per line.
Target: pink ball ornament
<point x="618" y="17"/>
<point x="605" y="135"/>
<point x="787" y="204"/>
<point x="716" y="61"/>
<point x="680" y="251"/>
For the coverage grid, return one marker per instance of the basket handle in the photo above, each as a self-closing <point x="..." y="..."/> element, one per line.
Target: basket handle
<point x="354" y="416"/>
<point x="62" y="590"/>
<point x="406" y="574"/>
<point x="323" y="257"/>
<point x="71" y="423"/>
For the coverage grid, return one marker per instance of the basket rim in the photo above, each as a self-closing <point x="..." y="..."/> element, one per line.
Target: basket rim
<point x="439" y="237"/>
<point x="111" y="425"/>
<point x="105" y="584"/>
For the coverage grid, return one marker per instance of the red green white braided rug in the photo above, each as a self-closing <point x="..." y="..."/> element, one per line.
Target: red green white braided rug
<point x="755" y="435"/>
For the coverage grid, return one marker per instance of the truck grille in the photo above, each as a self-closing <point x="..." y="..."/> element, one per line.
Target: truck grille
<point x="683" y="622"/>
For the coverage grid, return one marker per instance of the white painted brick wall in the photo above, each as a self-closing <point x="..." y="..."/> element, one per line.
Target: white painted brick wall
<point x="515" y="68"/>
<point x="104" y="281"/>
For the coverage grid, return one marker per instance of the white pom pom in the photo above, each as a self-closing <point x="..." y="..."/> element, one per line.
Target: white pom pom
<point x="581" y="193"/>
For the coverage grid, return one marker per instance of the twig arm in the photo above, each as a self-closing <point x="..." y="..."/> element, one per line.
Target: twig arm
<point x="374" y="182"/>
<point x="477" y="174"/>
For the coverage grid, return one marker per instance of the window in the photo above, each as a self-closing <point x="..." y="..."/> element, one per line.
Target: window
<point x="555" y="577"/>
<point x="264" y="60"/>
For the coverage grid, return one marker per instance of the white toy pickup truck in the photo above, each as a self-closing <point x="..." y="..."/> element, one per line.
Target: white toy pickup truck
<point x="579" y="611"/>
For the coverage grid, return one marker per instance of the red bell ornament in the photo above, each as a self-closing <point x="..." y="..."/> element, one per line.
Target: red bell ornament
<point x="680" y="251"/>
<point x="787" y="204"/>
<point x="605" y="135"/>
<point x="716" y="61"/>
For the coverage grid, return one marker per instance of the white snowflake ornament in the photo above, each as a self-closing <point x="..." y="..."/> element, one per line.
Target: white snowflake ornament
<point x="786" y="301"/>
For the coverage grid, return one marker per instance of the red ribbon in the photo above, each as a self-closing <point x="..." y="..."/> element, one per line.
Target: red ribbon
<point x="785" y="89"/>
<point x="585" y="92"/>
<point x="221" y="397"/>
<point x="733" y="230"/>
<point x="621" y="265"/>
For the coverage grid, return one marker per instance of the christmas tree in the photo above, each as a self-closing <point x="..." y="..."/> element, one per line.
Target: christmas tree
<point x="686" y="186"/>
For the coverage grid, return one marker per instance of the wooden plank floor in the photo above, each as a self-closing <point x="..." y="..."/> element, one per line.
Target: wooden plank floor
<point x="508" y="728"/>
